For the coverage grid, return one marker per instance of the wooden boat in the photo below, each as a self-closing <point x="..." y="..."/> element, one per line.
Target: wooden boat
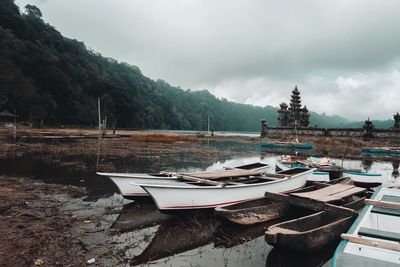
<point x="267" y="208"/>
<point x="287" y="145"/>
<point x="313" y="232"/>
<point x="122" y="180"/>
<point x="203" y="193"/>
<point x="231" y="235"/>
<point x="365" y="179"/>
<point x="373" y="239"/>
<point x="381" y="150"/>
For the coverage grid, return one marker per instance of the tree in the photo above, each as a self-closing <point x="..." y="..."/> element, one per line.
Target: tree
<point x="33" y="11"/>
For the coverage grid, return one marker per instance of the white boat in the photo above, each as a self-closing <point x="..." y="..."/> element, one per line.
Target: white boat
<point x="122" y="180"/>
<point x="285" y="163"/>
<point x="365" y="179"/>
<point x="174" y="194"/>
<point x="373" y="239"/>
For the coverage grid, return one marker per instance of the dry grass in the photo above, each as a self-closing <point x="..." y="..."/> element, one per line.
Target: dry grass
<point x="164" y="138"/>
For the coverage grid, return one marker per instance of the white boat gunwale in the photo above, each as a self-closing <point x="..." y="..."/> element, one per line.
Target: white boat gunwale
<point x="179" y="184"/>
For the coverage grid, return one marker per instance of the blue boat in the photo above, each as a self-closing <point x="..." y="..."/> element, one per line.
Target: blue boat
<point x="373" y="239"/>
<point x="287" y="145"/>
<point x="381" y="150"/>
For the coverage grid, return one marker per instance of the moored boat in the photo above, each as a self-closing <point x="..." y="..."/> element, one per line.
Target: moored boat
<point x="365" y="179"/>
<point x="325" y="170"/>
<point x="268" y="208"/>
<point x="287" y="145"/>
<point x="285" y="162"/>
<point x="313" y="232"/>
<point x="381" y="150"/>
<point x="176" y="194"/>
<point x="123" y="180"/>
<point x="373" y="239"/>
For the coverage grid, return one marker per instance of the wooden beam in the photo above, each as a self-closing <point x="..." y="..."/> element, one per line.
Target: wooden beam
<point x="385" y="204"/>
<point x="205" y="181"/>
<point x="373" y="242"/>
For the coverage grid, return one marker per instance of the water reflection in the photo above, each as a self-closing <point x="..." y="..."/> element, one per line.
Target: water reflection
<point x="200" y="237"/>
<point x="367" y="162"/>
<point x="179" y="234"/>
<point x="138" y="215"/>
<point x="283" y="258"/>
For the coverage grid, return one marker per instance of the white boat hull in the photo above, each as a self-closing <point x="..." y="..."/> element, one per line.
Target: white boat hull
<point x="180" y="195"/>
<point x="365" y="179"/>
<point x="124" y="180"/>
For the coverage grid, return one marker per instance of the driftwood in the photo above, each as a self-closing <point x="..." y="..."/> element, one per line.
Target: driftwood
<point x="373" y="242"/>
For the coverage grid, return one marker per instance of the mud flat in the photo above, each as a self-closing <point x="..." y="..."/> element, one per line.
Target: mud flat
<point x="33" y="229"/>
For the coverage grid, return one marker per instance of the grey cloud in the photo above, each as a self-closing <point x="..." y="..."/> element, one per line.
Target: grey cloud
<point x="264" y="46"/>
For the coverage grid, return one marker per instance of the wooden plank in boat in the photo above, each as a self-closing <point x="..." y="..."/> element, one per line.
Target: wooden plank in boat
<point x="373" y="242"/>
<point x="211" y="175"/>
<point x="343" y="194"/>
<point x="327" y="191"/>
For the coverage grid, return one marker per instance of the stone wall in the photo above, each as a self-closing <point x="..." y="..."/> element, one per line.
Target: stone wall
<point x="336" y="132"/>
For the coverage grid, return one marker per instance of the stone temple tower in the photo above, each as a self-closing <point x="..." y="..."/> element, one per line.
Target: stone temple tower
<point x="295" y="106"/>
<point x="294" y="113"/>
<point x="396" y="118"/>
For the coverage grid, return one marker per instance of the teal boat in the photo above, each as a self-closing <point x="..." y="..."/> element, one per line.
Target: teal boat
<point x="287" y="145"/>
<point x="373" y="239"/>
<point x="381" y="150"/>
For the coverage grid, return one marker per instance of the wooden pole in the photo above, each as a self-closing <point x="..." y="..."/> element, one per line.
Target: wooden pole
<point x="98" y="148"/>
<point x="373" y="242"/>
<point x="208" y="124"/>
<point x="384" y="204"/>
<point x="98" y="107"/>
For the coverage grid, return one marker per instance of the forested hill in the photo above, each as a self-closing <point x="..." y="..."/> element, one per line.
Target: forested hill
<point x="50" y="78"/>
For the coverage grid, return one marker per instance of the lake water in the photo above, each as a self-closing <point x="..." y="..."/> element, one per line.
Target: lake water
<point x="123" y="232"/>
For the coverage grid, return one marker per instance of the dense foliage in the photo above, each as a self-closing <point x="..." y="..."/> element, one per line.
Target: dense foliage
<point x="48" y="78"/>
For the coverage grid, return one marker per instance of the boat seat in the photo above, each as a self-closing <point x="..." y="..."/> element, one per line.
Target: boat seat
<point x="233" y="183"/>
<point x="387" y="211"/>
<point x="379" y="234"/>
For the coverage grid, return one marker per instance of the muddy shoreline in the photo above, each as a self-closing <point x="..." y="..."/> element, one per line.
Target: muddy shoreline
<point x="45" y="172"/>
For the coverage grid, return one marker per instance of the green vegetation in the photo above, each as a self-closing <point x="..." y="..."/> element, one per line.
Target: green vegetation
<point x="48" y="78"/>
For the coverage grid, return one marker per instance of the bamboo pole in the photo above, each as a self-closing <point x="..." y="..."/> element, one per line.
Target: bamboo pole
<point x="373" y="242"/>
<point x="384" y="204"/>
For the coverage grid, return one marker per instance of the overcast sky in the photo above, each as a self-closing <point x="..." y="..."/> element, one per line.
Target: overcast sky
<point x="343" y="55"/>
